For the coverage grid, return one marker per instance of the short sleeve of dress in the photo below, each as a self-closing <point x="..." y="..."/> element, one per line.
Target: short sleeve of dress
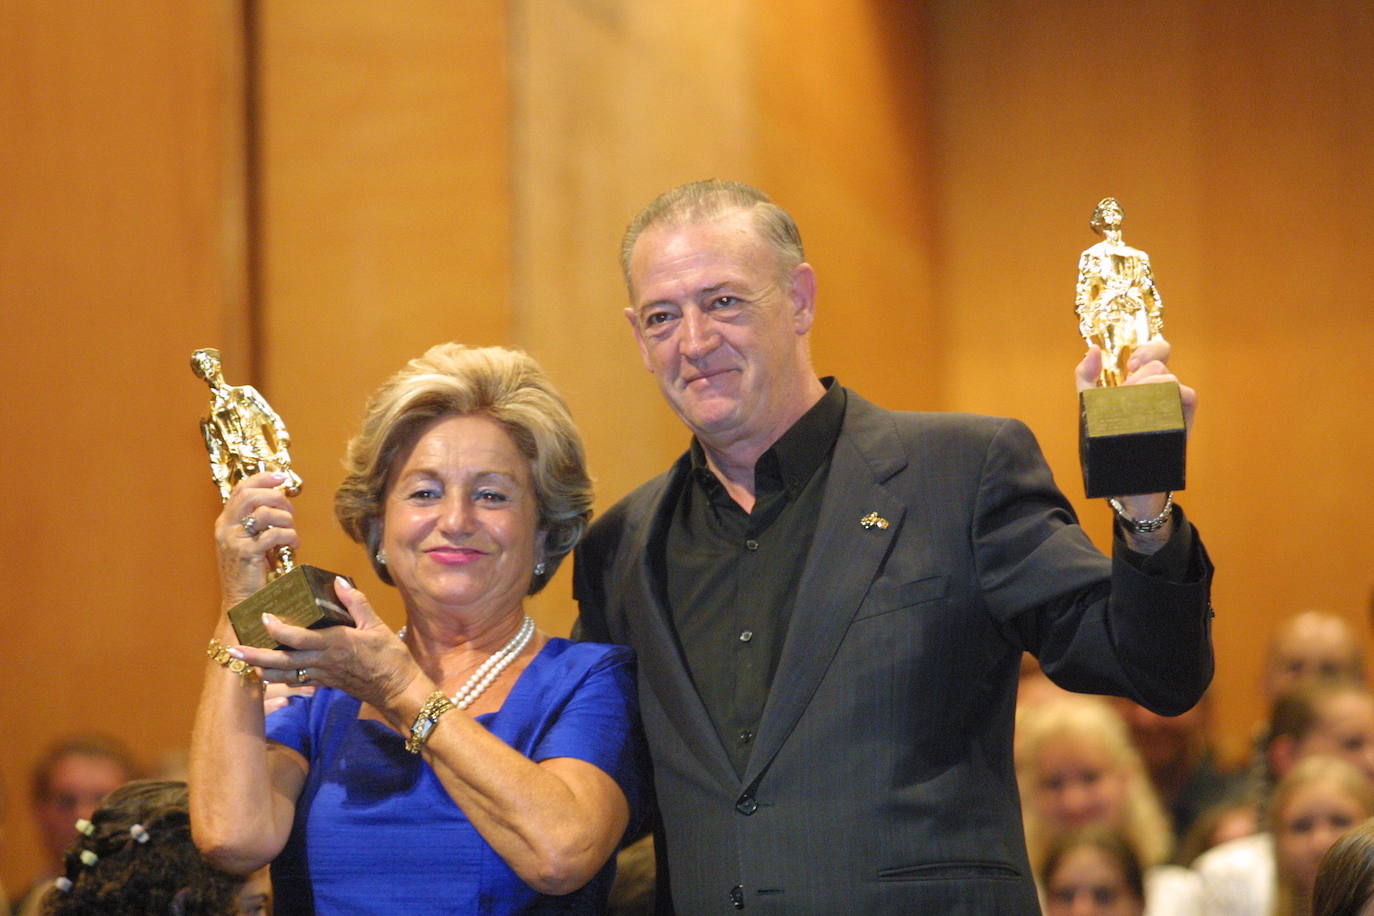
<point x="598" y="719"/>
<point x="290" y="725"/>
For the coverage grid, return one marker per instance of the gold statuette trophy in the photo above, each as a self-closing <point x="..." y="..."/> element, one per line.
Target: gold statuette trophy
<point x="245" y="436"/>
<point x="1132" y="438"/>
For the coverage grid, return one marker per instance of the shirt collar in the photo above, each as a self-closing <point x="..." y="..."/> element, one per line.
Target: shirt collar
<point x="799" y="451"/>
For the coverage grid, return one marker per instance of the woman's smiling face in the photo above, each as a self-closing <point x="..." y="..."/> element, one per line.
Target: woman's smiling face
<point x="461" y="519"/>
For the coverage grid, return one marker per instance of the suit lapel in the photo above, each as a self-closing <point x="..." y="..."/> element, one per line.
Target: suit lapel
<point x="843" y="561"/>
<point x="652" y="635"/>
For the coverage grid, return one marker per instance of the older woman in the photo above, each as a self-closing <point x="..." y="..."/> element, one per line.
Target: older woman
<point x="469" y="763"/>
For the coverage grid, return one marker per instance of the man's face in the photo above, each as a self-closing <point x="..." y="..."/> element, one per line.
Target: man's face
<point x="1165" y="741"/>
<point x="1311" y="647"/>
<point x="721" y="326"/>
<point x="76" y="785"/>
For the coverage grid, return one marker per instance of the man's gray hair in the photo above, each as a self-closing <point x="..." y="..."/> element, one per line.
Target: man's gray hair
<point x="703" y="200"/>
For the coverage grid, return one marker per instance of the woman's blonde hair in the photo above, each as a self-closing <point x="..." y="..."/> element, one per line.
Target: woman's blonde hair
<point x="1319" y="768"/>
<point x="1089" y="719"/>
<point x="454" y="380"/>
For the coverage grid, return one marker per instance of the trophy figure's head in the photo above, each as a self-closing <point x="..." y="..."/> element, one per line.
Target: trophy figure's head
<point x="206" y="365"/>
<point x="1107" y="216"/>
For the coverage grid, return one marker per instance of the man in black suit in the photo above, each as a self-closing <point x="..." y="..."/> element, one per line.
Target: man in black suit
<point x="830" y="600"/>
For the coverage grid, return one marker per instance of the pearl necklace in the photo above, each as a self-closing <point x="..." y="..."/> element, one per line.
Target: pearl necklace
<point x="490" y="669"/>
<point x="500" y="660"/>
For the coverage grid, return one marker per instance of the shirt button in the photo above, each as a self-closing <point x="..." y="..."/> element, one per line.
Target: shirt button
<point x="751" y="545"/>
<point x="746" y="635"/>
<point x="747" y="805"/>
<point x="745" y="736"/>
<point x="737" y="896"/>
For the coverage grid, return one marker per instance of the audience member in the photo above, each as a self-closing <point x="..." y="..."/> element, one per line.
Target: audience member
<point x="134" y="855"/>
<point x="1231" y="819"/>
<point x="69" y="780"/>
<point x="1311" y="645"/>
<point x="1272" y="873"/>
<point x="1092" y="872"/>
<point x="1077" y="768"/>
<point x="1324" y="717"/>
<point x="1180" y="760"/>
<point x="1307" y="647"/>
<point x="1316" y="718"/>
<point x="1320" y="801"/>
<point x="1345" y="878"/>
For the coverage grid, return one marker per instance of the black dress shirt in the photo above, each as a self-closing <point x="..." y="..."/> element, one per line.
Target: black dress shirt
<point x="731" y="576"/>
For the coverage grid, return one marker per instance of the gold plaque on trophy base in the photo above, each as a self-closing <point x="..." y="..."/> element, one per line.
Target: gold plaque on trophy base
<point x="1132" y="439"/>
<point x="303" y="597"/>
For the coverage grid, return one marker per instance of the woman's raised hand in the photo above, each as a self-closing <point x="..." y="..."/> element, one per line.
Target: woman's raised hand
<point x="367" y="661"/>
<point x="255" y="520"/>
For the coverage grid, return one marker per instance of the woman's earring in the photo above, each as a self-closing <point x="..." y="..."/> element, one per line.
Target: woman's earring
<point x="539" y="568"/>
<point x="381" y="556"/>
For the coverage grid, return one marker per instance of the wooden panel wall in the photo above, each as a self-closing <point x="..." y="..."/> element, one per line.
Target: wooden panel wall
<point x="619" y="100"/>
<point x="385" y="202"/>
<point x="1238" y="138"/>
<point x="120" y="252"/>
<point x="603" y="124"/>
<point x="842" y="143"/>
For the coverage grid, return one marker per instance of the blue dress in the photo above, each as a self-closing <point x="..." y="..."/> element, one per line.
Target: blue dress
<point x="375" y="832"/>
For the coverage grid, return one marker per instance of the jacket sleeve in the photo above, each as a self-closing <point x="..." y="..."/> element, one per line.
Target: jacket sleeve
<point x="592" y="589"/>
<point x="1124" y="626"/>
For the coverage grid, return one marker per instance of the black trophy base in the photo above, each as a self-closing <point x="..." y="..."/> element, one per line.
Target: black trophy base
<point x="1132" y="439"/>
<point x="303" y="597"/>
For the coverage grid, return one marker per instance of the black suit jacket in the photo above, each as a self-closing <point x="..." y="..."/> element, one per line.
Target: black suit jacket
<point x="881" y="779"/>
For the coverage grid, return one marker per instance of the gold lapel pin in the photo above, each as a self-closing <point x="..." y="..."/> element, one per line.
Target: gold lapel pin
<point x="873" y="520"/>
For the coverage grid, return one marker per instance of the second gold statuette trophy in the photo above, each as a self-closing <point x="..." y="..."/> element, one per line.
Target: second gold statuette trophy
<point x="245" y="436"/>
<point x="1133" y="438"/>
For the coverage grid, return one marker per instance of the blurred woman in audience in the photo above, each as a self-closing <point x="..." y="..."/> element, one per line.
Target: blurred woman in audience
<point x="1077" y="768"/>
<point x="1345" y="878"/>
<point x="135" y="856"/>
<point x="1315" y="718"/>
<point x="1320" y="800"/>
<point x="1273" y="873"/>
<point x="1092" y="872"/>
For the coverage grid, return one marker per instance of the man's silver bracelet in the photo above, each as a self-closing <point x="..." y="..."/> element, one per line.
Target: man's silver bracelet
<point x="1146" y="525"/>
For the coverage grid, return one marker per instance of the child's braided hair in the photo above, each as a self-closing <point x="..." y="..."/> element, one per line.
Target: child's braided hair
<point x="135" y="856"/>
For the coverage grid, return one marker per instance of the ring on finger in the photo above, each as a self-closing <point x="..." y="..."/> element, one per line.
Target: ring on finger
<point x="302" y="677"/>
<point x="250" y="525"/>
